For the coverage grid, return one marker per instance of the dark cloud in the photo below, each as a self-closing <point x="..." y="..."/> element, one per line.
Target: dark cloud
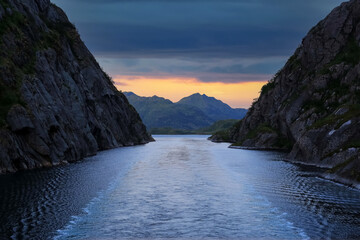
<point x="261" y="68"/>
<point x="207" y="70"/>
<point x="183" y="27"/>
<point x="122" y="33"/>
<point x="196" y="41"/>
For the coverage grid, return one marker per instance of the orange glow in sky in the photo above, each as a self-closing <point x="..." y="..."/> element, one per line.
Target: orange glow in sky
<point x="237" y="95"/>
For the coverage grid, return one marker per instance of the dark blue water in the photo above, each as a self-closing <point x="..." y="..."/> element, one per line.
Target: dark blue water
<point x="181" y="187"/>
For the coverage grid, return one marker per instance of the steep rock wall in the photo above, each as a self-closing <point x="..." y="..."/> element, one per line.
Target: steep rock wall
<point x="56" y="103"/>
<point x="312" y="106"/>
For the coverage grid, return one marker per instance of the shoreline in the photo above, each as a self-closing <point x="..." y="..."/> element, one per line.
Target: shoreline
<point x="66" y="162"/>
<point x="325" y="175"/>
<point x="258" y="148"/>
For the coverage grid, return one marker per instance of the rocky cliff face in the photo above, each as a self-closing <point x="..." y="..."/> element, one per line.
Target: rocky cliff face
<point x="56" y="104"/>
<point x="312" y="106"/>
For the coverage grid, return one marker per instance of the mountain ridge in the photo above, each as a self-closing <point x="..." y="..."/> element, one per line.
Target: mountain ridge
<point x="158" y="112"/>
<point x="214" y="108"/>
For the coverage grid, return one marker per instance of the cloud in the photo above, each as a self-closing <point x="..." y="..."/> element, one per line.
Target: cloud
<point x="175" y="88"/>
<point x="205" y="70"/>
<point x="225" y="44"/>
<point x="194" y="41"/>
<point x="203" y="77"/>
<point x="210" y="40"/>
<point x="178" y="28"/>
<point x="120" y="84"/>
<point x="233" y="78"/>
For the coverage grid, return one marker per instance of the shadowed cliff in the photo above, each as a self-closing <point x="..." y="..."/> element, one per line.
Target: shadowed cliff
<point x="56" y="104"/>
<point x="312" y="106"/>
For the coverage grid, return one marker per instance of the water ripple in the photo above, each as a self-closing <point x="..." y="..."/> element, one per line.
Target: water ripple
<point x="178" y="187"/>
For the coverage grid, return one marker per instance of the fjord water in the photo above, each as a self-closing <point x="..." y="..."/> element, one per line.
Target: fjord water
<point x="177" y="187"/>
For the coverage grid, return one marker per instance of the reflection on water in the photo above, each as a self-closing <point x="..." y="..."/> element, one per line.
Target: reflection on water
<point x="178" y="187"/>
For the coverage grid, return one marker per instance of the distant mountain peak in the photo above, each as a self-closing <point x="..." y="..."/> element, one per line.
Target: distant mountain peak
<point x="198" y="95"/>
<point x="194" y="111"/>
<point x="128" y="93"/>
<point x="214" y="108"/>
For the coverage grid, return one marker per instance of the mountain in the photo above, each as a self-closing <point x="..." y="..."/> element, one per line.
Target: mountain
<point x="161" y="115"/>
<point x="212" y="107"/>
<point x="312" y="106"/>
<point x="157" y="112"/>
<point x="56" y="104"/>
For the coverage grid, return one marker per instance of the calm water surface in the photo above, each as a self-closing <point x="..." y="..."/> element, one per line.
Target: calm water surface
<point x="177" y="187"/>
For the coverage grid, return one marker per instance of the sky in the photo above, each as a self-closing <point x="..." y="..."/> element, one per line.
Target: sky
<point x="173" y="48"/>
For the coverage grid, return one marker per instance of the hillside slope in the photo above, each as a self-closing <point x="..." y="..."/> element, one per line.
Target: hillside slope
<point x="312" y="106"/>
<point x="56" y="104"/>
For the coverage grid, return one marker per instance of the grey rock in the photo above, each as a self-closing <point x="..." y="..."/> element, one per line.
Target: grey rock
<point x="42" y="4"/>
<point x="2" y="12"/>
<point x="9" y="11"/>
<point x="19" y="119"/>
<point x="63" y="107"/>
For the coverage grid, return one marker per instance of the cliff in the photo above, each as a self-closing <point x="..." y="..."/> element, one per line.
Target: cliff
<point x="56" y="104"/>
<point x="312" y="106"/>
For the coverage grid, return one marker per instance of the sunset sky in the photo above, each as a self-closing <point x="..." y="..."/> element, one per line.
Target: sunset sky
<point x="172" y="48"/>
